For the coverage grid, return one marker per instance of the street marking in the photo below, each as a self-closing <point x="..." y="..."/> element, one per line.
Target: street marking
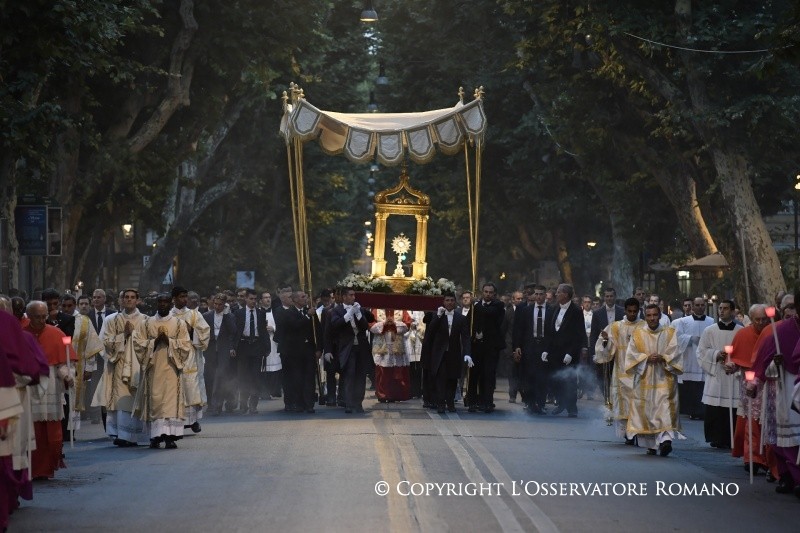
<point x="505" y="517"/>
<point x="540" y="520"/>
<point x="401" y="517"/>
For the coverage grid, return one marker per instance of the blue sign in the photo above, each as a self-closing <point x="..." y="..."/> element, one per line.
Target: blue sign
<point x="31" y="224"/>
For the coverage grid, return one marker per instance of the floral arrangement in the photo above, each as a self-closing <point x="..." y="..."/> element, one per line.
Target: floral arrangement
<point x="431" y="288"/>
<point x="365" y="283"/>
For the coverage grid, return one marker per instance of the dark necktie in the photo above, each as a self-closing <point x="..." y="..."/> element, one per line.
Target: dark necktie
<point x="99" y="321"/>
<point x="539" y="322"/>
<point x="252" y="323"/>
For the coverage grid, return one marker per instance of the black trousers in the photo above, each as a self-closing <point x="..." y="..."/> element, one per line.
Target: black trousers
<point x="536" y="374"/>
<point x="445" y="386"/>
<point x="415" y="369"/>
<point x="516" y="385"/>
<point x="299" y="373"/>
<point x="480" y="388"/>
<point x="354" y="373"/>
<point x="690" y="398"/>
<point x="248" y="370"/>
<point x="717" y="425"/>
<point x="564" y="382"/>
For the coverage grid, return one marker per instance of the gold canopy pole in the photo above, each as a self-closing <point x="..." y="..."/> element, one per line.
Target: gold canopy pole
<point x="301" y="199"/>
<point x="294" y="162"/>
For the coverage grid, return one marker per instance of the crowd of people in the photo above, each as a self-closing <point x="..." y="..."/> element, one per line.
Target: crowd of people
<point x="150" y="366"/>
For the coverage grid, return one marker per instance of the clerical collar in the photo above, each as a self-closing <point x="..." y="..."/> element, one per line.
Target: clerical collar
<point x="696" y="317"/>
<point x="727" y="327"/>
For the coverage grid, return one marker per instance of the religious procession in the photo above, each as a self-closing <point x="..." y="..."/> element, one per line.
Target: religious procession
<point x="164" y="361"/>
<point x="419" y="266"/>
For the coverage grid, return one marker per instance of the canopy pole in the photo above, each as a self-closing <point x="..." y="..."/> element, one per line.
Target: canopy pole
<point x="478" y="158"/>
<point x="471" y="223"/>
<point x="301" y="189"/>
<point x="289" y="155"/>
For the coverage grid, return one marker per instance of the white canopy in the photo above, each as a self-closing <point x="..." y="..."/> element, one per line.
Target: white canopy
<point x="387" y="137"/>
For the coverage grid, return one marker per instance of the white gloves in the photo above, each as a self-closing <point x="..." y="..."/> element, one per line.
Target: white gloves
<point x="348" y="315"/>
<point x="440" y="311"/>
<point x="468" y="360"/>
<point x="328" y="357"/>
<point x="567" y="359"/>
<point x="357" y="310"/>
<point x="544" y="356"/>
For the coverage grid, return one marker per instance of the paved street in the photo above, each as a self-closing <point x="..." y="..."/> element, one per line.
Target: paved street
<point x="282" y="472"/>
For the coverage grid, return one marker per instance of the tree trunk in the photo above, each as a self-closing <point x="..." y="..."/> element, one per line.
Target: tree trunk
<point x="762" y="261"/>
<point x="564" y="265"/>
<point x="8" y="203"/>
<point x="61" y="269"/>
<point x="681" y="191"/>
<point x="621" y="271"/>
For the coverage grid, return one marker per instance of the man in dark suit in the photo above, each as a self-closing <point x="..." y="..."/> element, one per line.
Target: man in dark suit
<point x="280" y="306"/>
<point x="516" y="383"/>
<point x="565" y="337"/>
<point x="530" y="341"/>
<point x="334" y="395"/>
<point x="220" y="370"/>
<point x="302" y="338"/>
<point x="349" y="325"/>
<point x="56" y="317"/>
<point x="487" y="342"/>
<point x="600" y="319"/>
<point x="447" y="336"/>
<point x="253" y="344"/>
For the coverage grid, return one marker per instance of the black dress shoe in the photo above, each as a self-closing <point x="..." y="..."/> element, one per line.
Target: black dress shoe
<point x="330" y="404"/>
<point x="196" y="427"/>
<point x="155" y="443"/>
<point x="170" y="445"/>
<point x="451" y="408"/>
<point x="559" y="410"/>
<point x="428" y="405"/>
<point x="535" y="411"/>
<point x="489" y="409"/>
<point x="665" y="448"/>
<point x="770" y="478"/>
<point x="440" y="410"/>
<point x="651" y="451"/>
<point x="572" y="415"/>
<point x="348" y="411"/>
<point x="310" y="411"/>
<point x="472" y="409"/>
<point x="360" y="409"/>
<point x="784" y="487"/>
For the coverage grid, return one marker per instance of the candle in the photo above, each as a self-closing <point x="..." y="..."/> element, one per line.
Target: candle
<point x="728" y="352"/>
<point x="770" y="312"/>
<point x="66" y="340"/>
<point x="749" y="375"/>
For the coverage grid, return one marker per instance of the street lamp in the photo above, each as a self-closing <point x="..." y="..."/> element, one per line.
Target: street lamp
<point x="369" y="14"/>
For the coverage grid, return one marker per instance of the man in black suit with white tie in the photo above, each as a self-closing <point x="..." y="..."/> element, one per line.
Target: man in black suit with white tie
<point x="220" y="356"/>
<point x="565" y="336"/>
<point x="251" y="326"/>
<point x="529" y="342"/>
<point x="302" y="339"/>
<point x="600" y="319"/>
<point x="349" y="324"/>
<point x="448" y="343"/>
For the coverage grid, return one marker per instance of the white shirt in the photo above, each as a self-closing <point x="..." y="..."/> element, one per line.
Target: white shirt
<point x="449" y="315"/>
<point x="246" y="332"/>
<point x="561" y="312"/>
<point x="217" y="323"/>
<point x="611" y="313"/>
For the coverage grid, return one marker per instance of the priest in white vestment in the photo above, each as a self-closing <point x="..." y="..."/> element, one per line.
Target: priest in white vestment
<point x="121" y="374"/>
<point x="162" y="346"/>
<point x="192" y="377"/>
<point x="721" y="390"/>
<point x="655" y="363"/>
